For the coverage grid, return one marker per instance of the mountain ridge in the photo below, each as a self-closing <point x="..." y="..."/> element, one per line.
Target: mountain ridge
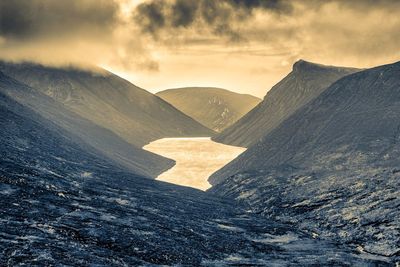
<point x="85" y="132"/>
<point x="134" y="114"/>
<point x="305" y="82"/>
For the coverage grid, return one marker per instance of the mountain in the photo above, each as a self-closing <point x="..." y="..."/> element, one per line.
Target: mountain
<point x="213" y="107"/>
<point x="332" y="167"/>
<point x="306" y="81"/>
<point x="104" y="141"/>
<point x="64" y="205"/>
<point x="134" y="114"/>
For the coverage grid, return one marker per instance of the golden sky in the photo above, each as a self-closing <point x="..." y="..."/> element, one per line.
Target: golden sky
<point x="242" y="45"/>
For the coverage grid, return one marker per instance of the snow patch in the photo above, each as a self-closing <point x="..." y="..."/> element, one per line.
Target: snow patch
<point x="122" y="201"/>
<point x="287" y="238"/>
<point x="246" y="194"/>
<point x="86" y="174"/>
<point x="230" y="228"/>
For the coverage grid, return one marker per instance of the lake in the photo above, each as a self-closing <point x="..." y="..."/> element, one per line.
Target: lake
<point x="196" y="159"/>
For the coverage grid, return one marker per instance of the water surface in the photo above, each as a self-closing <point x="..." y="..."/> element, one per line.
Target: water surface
<point x="196" y="159"/>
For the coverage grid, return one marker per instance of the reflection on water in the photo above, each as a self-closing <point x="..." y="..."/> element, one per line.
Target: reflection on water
<point x="196" y="159"/>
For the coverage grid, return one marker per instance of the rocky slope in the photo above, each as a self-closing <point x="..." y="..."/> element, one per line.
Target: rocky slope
<point x="332" y="167"/>
<point x="306" y="81"/>
<point x="111" y="102"/>
<point x="213" y="107"/>
<point x="104" y="141"/>
<point x="63" y="205"/>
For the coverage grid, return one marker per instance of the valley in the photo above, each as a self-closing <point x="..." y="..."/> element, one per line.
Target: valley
<point x="200" y="133"/>
<point x="95" y="178"/>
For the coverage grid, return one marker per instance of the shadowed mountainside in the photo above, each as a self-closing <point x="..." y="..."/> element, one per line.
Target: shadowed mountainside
<point x="111" y="102"/>
<point x="213" y="107"/>
<point x="306" y="81"/>
<point x="104" y="141"/>
<point x="332" y="167"/>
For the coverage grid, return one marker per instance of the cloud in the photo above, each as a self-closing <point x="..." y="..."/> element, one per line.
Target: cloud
<point x="219" y="17"/>
<point x="21" y="19"/>
<point x="353" y="28"/>
<point x="79" y="32"/>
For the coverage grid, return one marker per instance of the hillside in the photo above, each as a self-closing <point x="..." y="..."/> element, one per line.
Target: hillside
<point x="213" y="107"/>
<point x="306" y="81"/>
<point x="332" y="167"/>
<point x="134" y="114"/>
<point x="105" y="142"/>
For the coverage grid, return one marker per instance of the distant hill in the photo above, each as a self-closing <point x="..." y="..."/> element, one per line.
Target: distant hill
<point x="213" y="107"/>
<point x="134" y="114"/>
<point x="331" y="168"/>
<point x="306" y="81"/>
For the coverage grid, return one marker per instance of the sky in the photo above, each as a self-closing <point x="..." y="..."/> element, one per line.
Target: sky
<point x="242" y="45"/>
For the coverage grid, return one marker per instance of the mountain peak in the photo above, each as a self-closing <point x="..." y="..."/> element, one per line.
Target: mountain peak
<point x="306" y="65"/>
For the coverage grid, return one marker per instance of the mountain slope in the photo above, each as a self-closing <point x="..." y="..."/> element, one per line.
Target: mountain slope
<point x="104" y="141"/>
<point x="332" y="167"/>
<point x="306" y="81"/>
<point x="213" y="107"/>
<point x="109" y="101"/>
<point x="62" y="205"/>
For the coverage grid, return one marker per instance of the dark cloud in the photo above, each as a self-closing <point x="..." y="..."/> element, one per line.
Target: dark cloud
<point x="280" y="6"/>
<point x="184" y="12"/>
<point x="77" y="32"/>
<point x="219" y="16"/>
<point x="20" y="19"/>
<point x="151" y="16"/>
